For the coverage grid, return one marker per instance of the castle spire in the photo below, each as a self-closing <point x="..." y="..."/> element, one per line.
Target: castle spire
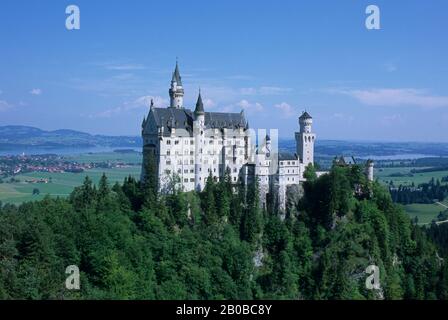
<point x="176" y="91"/>
<point x="176" y="75"/>
<point x="199" y="105"/>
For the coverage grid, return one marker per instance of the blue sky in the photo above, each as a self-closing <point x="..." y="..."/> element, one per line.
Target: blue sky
<point x="271" y="58"/>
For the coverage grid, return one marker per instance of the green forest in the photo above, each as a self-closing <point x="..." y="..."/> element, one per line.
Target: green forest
<point x="131" y="242"/>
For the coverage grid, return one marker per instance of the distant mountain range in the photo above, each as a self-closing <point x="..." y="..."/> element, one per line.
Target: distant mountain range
<point x="13" y="137"/>
<point x="24" y="137"/>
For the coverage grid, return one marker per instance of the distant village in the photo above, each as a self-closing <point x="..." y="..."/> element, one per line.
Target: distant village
<point x="13" y="165"/>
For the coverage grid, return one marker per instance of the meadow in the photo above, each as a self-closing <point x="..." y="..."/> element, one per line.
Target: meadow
<point x="383" y="174"/>
<point x="425" y="213"/>
<point x="62" y="184"/>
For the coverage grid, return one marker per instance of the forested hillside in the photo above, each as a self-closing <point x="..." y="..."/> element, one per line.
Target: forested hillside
<point x="132" y="243"/>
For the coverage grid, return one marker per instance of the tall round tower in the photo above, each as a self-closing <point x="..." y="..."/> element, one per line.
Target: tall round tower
<point x="176" y="90"/>
<point x="198" y="133"/>
<point x="305" y="139"/>
<point x="369" y="170"/>
<point x="305" y="122"/>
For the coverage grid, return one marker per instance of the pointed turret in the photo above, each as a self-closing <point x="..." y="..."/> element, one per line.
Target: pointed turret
<point x="199" y="105"/>
<point x="176" y="91"/>
<point x="176" y="76"/>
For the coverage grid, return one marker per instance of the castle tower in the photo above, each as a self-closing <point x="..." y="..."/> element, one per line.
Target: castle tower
<point x="305" y="139"/>
<point x="268" y="146"/>
<point x="176" y="91"/>
<point x="369" y="170"/>
<point x="198" y="133"/>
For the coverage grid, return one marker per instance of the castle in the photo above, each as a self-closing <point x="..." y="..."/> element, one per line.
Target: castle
<point x="192" y="145"/>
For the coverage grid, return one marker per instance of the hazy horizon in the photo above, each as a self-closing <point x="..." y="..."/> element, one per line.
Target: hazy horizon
<point x="386" y="85"/>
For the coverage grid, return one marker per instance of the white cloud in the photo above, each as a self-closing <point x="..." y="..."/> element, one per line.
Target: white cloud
<point x="265" y="90"/>
<point x="141" y="102"/>
<point x="392" y="120"/>
<point x="124" y="67"/>
<point x="344" y="117"/>
<point x="248" y="91"/>
<point x="145" y="101"/>
<point x="248" y="106"/>
<point x="36" y="92"/>
<point x="390" y="67"/>
<point x="4" y="105"/>
<point x="396" y="97"/>
<point x="286" y="109"/>
<point x="274" y="90"/>
<point x="209" y="103"/>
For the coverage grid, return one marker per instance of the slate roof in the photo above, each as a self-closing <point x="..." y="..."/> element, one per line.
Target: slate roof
<point x="183" y="119"/>
<point x="305" y="115"/>
<point x="176" y="76"/>
<point x="282" y="156"/>
<point x="199" y="105"/>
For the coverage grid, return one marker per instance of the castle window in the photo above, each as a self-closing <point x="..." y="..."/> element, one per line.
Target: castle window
<point x="176" y="142"/>
<point x="168" y="162"/>
<point x="191" y="142"/>
<point x="185" y="180"/>
<point x="168" y="152"/>
<point x="179" y="171"/>
<point x="185" y="170"/>
<point x="168" y="141"/>
<point x="191" y="179"/>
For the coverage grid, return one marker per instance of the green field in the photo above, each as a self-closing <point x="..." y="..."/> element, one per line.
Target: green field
<point x="383" y="175"/>
<point x="425" y="212"/>
<point x="62" y="183"/>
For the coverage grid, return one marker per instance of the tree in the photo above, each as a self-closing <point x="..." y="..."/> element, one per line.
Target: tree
<point x="310" y="173"/>
<point x="251" y="223"/>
